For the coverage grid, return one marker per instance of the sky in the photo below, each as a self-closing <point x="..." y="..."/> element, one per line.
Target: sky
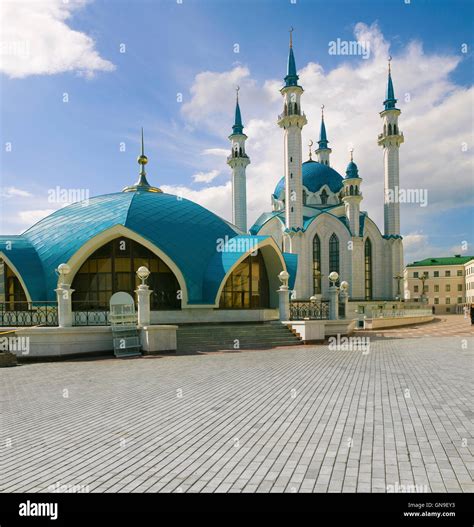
<point x="79" y="78"/>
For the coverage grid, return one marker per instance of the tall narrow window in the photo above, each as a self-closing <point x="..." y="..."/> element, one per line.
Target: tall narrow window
<point x="334" y="254"/>
<point x="324" y="197"/>
<point x="368" y="269"/>
<point x="316" y="265"/>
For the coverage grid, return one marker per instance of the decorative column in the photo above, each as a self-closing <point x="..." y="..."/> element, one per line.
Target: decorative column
<point x="64" y="294"/>
<point x="143" y="298"/>
<point x="333" y="297"/>
<point x="284" y="296"/>
<point x="344" y="296"/>
<point x="64" y="297"/>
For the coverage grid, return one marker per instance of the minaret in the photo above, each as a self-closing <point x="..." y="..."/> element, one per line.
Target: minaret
<point x="323" y="150"/>
<point x="238" y="161"/>
<point x="352" y="196"/>
<point x="292" y="121"/>
<point x="142" y="183"/>
<point x="390" y="140"/>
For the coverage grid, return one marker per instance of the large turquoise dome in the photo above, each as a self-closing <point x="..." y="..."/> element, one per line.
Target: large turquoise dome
<point x="315" y="176"/>
<point x="184" y="230"/>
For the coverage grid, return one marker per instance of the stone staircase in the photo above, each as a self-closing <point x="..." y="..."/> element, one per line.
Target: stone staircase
<point x="194" y="338"/>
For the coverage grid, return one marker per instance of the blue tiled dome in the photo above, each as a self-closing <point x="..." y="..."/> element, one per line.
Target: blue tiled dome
<point x="184" y="230"/>
<point x="315" y="175"/>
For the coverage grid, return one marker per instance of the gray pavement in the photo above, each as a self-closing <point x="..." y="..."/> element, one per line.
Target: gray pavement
<point x="302" y="419"/>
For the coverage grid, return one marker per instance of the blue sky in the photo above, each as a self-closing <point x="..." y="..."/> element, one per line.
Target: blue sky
<point x="169" y="45"/>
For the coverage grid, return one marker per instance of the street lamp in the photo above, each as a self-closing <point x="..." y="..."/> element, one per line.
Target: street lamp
<point x="333" y="277"/>
<point x="143" y="273"/>
<point x="398" y="278"/>
<point x="63" y="270"/>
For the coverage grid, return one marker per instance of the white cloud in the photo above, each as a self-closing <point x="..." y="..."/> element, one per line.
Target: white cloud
<point x="36" y="40"/>
<point x="11" y="192"/>
<point x="205" y="177"/>
<point x="434" y="121"/>
<point x="220" y="152"/>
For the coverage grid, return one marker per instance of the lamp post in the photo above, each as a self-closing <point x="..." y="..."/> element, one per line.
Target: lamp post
<point x="284" y="296"/>
<point x="63" y="295"/>
<point x="344" y="296"/>
<point x="398" y="278"/>
<point x="143" y="297"/>
<point x="333" y="301"/>
<point x="423" y="278"/>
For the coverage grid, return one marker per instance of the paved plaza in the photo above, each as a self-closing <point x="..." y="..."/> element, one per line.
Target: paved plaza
<point x="396" y="416"/>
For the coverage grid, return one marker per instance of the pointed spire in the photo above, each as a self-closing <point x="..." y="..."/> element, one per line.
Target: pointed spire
<point x="142" y="183"/>
<point x="291" y="78"/>
<point x="142" y="161"/>
<point x="390" y="100"/>
<point x="323" y="140"/>
<point x="238" y="127"/>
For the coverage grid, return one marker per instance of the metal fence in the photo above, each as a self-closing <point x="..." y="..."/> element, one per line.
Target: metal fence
<point x="25" y="314"/>
<point x="307" y="310"/>
<point x="89" y="314"/>
<point x="28" y="314"/>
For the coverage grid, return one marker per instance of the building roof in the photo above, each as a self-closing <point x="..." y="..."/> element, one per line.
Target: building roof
<point x="315" y="176"/>
<point x="444" y="260"/>
<point x="186" y="232"/>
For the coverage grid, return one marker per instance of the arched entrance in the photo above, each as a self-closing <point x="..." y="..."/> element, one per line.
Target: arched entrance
<point x="11" y="290"/>
<point x="247" y="286"/>
<point x="112" y="268"/>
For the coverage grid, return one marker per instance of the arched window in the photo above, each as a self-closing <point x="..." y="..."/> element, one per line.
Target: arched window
<point x="384" y="129"/>
<point x="316" y="265"/>
<point x="14" y="294"/>
<point x="324" y="197"/>
<point x="356" y="191"/>
<point x="247" y="286"/>
<point x="395" y="129"/>
<point x="368" y="269"/>
<point x="305" y="197"/>
<point x="389" y="129"/>
<point x="334" y="254"/>
<point x="352" y="190"/>
<point x="113" y="267"/>
<point x="240" y="152"/>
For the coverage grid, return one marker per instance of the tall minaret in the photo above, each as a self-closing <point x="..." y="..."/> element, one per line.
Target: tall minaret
<point x="238" y="161"/>
<point x="352" y="196"/>
<point x="292" y="121"/>
<point x="390" y="140"/>
<point x="323" y="150"/>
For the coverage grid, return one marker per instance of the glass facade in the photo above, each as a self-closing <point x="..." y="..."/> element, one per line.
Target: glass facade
<point x="316" y="265"/>
<point x="113" y="267"/>
<point x="368" y="269"/>
<point x="12" y="291"/>
<point x="247" y="286"/>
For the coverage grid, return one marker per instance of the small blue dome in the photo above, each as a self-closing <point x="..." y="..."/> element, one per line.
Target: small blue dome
<point x="352" y="171"/>
<point x="315" y="176"/>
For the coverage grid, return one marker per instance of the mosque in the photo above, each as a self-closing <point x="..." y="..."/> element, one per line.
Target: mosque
<point x="204" y="268"/>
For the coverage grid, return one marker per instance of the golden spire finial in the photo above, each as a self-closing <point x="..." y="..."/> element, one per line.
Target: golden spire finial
<point x="237" y="88"/>
<point x="389" y="65"/>
<point x="291" y="36"/>
<point x="310" y="144"/>
<point x="352" y="154"/>
<point x="322" y="112"/>
<point x="142" y="158"/>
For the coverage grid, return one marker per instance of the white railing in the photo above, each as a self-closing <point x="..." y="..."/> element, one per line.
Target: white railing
<point x="400" y="313"/>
